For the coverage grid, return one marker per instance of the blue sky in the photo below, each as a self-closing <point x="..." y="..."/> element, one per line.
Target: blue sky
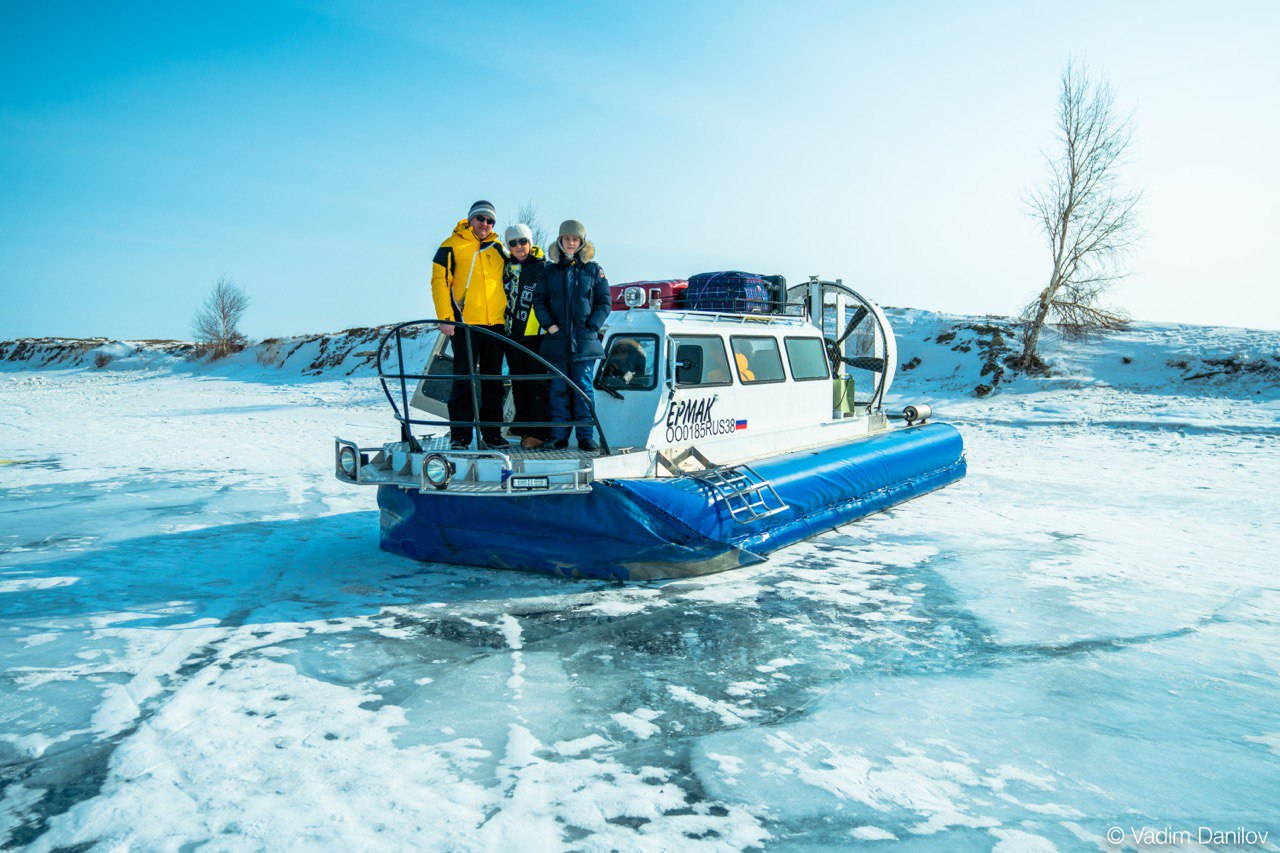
<point x="319" y="152"/>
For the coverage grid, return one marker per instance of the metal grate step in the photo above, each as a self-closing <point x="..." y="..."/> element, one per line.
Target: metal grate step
<point x="747" y="495"/>
<point x="740" y="488"/>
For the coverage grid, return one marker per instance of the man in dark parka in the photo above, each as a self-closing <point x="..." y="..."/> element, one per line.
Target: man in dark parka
<point x="572" y="304"/>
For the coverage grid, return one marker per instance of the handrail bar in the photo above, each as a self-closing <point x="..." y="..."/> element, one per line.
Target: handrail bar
<point x="438" y="422"/>
<point x="475" y="379"/>
<point x="479" y="376"/>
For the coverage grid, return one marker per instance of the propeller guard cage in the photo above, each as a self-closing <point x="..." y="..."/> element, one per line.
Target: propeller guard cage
<point x="844" y="313"/>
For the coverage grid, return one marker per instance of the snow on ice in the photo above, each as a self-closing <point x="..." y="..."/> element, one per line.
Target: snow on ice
<point x="202" y="642"/>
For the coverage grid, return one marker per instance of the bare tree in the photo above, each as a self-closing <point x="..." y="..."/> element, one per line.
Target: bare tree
<point x="528" y="214"/>
<point x="215" y="324"/>
<point x="1089" y="219"/>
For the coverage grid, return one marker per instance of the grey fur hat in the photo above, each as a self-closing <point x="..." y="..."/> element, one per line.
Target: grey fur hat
<point x="573" y="228"/>
<point x="585" y="255"/>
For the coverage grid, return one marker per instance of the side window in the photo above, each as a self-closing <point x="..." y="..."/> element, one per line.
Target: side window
<point x="630" y="362"/>
<point x="758" y="360"/>
<point x="701" y="360"/>
<point x="808" y="358"/>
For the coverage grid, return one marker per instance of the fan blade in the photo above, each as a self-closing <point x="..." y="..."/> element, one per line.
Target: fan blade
<point x="857" y="318"/>
<point x="875" y="365"/>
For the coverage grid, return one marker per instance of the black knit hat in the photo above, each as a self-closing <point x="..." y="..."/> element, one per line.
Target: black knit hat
<point x="482" y="208"/>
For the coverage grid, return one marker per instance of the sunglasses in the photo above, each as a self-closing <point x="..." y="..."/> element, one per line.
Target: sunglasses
<point x="520" y="242"/>
<point x="486" y="220"/>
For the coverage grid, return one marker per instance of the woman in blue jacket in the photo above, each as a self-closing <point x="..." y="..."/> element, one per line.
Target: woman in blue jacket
<point x="572" y="303"/>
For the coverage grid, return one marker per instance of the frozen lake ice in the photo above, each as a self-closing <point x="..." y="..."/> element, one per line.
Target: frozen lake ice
<point x="202" y="644"/>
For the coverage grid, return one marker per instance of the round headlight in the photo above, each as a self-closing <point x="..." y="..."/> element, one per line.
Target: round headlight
<point x="633" y="296"/>
<point x="437" y="470"/>
<point x="347" y="461"/>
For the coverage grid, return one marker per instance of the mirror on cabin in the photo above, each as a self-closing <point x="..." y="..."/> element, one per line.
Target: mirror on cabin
<point x="688" y="364"/>
<point x="701" y="360"/>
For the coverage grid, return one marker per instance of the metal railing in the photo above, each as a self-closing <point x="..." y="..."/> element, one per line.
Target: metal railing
<point x="475" y="424"/>
<point x="795" y="319"/>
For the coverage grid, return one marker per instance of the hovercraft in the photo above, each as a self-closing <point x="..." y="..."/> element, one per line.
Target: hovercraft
<point x="724" y="437"/>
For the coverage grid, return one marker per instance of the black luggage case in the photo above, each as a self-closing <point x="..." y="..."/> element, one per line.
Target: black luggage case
<point x="729" y="292"/>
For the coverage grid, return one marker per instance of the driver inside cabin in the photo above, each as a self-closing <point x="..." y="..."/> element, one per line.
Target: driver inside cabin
<point x="626" y="364"/>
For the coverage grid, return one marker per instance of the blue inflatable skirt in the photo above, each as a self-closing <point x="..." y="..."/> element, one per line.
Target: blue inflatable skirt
<point x="671" y="527"/>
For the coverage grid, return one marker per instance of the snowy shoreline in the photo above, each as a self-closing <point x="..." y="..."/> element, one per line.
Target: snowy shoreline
<point x="952" y="352"/>
<point x="205" y="645"/>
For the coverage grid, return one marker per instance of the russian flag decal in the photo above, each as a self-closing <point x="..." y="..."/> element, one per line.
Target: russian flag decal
<point x="741" y="425"/>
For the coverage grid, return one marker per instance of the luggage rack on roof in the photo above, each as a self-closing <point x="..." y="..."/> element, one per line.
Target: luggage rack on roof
<point x="740" y="319"/>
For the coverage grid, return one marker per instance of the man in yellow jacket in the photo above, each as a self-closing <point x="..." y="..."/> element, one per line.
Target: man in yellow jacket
<point x="466" y="285"/>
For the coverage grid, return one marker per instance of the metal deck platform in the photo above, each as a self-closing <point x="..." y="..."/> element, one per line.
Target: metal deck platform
<point x="511" y="471"/>
<point x="440" y="444"/>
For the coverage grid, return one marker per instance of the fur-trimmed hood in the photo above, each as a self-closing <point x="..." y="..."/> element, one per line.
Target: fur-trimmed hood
<point x="574" y="296"/>
<point x="586" y="254"/>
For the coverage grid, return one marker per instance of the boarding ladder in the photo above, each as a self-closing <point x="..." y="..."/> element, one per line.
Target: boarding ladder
<point x="739" y="488"/>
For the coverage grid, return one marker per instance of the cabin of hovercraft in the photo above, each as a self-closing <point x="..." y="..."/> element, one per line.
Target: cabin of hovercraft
<point x="674" y="384"/>
<point x="710" y="379"/>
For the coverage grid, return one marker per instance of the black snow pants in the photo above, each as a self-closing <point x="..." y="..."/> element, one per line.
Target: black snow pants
<point x="531" y="396"/>
<point x="486" y="359"/>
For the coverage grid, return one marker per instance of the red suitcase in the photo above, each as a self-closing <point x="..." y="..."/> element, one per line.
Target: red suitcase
<point x="648" y="294"/>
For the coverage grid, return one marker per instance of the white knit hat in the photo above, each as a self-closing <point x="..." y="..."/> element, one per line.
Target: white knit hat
<point x="519" y="231"/>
